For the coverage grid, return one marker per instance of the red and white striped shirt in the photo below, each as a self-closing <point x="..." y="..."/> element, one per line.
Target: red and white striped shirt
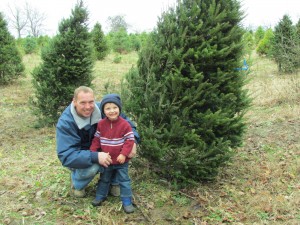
<point x="114" y="137"/>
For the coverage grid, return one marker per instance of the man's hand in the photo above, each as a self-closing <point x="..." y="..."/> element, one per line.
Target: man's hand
<point x="133" y="151"/>
<point x="104" y="159"/>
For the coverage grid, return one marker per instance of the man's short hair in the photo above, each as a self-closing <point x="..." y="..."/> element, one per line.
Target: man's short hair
<point x="82" y="89"/>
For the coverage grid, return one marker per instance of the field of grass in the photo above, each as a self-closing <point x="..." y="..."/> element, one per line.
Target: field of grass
<point x="260" y="186"/>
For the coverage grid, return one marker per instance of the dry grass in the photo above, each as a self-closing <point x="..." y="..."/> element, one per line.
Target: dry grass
<point x="275" y="97"/>
<point x="260" y="185"/>
<point x="108" y="74"/>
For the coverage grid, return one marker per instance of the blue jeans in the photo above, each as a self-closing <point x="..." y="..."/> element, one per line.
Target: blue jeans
<point x="82" y="177"/>
<point x="121" y="175"/>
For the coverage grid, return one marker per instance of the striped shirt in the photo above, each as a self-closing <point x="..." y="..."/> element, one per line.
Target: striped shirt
<point x="114" y="137"/>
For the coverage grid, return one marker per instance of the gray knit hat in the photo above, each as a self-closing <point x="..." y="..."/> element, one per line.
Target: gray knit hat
<point x="111" y="98"/>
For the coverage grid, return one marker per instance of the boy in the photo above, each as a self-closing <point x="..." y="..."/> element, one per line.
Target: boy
<point x="114" y="136"/>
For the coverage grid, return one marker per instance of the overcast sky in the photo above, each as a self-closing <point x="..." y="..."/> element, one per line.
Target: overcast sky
<point x="142" y="14"/>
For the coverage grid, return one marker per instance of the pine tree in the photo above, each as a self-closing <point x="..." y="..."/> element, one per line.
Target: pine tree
<point x="283" y="45"/>
<point x="66" y="64"/>
<point x="264" y="46"/>
<point x="297" y="44"/>
<point x="259" y="34"/>
<point x="119" y="41"/>
<point x="100" y="43"/>
<point x="11" y="66"/>
<point x="298" y="28"/>
<point x="185" y="94"/>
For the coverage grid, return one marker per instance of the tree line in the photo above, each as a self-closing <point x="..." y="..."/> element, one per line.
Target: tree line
<point x="118" y="40"/>
<point x="281" y="44"/>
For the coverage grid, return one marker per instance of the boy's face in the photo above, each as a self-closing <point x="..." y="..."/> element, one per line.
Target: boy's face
<point x="84" y="104"/>
<point x="111" y="111"/>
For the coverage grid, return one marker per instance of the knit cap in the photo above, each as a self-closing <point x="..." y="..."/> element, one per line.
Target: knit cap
<point x="111" y="98"/>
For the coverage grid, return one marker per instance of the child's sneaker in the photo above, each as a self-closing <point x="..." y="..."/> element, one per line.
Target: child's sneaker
<point x="127" y="204"/>
<point x="97" y="202"/>
<point x="128" y="208"/>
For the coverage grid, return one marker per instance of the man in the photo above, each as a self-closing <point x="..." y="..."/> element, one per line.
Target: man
<point x="74" y="133"/>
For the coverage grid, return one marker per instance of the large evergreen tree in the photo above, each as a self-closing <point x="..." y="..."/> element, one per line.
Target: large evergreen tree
<point x="66" y="64"/>
<point x="186" y="95"/>
<point x="11" y="66"/>
<point x="100" y="43"/>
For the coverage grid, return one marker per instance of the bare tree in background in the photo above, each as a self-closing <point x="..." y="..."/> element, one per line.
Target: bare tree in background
<point x="26" y="19"/>
<point x="17" y="19"/>
<point x="117" y="23"/>
<point x="35" y="20"/>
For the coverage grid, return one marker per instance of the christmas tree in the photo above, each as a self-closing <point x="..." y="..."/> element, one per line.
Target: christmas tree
<point x="100" y="43"/>
<point x="11" y="66"/>
<point x="66" y="64"/>
<point x="185" y="94"/>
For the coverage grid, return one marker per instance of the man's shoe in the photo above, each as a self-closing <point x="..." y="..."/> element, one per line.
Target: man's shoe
<point x="74" y="192"/>
<point x="128" y="208"/>
<point x="115" y="190"/>
<point x="96" y="202"/>
<point x="78" y="193"/>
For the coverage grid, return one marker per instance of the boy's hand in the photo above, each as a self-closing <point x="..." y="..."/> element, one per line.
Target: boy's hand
<point x="121" y="159"/>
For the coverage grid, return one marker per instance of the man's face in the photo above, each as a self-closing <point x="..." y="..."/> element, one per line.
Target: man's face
<point x="84" y="104"/>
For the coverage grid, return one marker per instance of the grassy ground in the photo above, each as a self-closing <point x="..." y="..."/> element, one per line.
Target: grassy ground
<point x="260" y="185"/>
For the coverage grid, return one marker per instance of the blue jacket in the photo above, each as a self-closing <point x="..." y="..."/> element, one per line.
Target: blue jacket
<point x="72" y="142"/>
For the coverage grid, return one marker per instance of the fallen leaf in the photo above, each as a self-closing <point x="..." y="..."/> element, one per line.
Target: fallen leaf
<point x="186" y="215"/>
<point x="150" y="205"/>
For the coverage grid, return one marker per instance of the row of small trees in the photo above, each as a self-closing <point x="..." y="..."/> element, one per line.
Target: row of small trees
<point x="11" y="50"/>
<point x="119" y="42"/>
<point x="281" y="44"/>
